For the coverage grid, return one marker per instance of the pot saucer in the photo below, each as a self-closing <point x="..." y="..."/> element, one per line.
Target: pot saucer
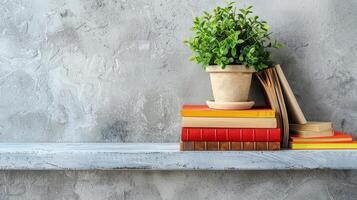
<point x="230" y="105"/>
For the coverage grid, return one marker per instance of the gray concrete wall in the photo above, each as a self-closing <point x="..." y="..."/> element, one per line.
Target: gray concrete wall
<point x="117" y="71"/>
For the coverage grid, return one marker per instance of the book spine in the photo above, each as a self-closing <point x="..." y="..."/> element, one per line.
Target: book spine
<point x="231" y="134"/>
<point x="323" y="145"/>
<point x="210" y="122"/>
<point x="228" y="114"/>
<point x="229" y="146"/>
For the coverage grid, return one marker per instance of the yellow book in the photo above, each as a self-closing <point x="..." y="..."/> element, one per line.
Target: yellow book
<point x="323" y="145"/>
<point x="210" y="122"/>
<point x="204" y="111"/>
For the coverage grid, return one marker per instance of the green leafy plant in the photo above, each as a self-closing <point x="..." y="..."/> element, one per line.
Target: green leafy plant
<point x="226" y="36"/>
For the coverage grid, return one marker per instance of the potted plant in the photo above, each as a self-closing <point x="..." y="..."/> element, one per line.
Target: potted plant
<point x="231" y="45"/>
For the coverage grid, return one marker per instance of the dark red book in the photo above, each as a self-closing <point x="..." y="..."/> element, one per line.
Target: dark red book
<point x="231" y="134"/>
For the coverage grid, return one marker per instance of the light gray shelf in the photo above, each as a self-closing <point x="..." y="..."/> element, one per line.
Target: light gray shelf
<point x="163" y="156"/>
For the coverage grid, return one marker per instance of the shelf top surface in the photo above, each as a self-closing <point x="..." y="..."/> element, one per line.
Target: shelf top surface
<point x="163" y="156"/>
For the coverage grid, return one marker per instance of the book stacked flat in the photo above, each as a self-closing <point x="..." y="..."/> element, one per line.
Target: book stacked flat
<point x="319" y="135"/>
<point x="205" y="129"/>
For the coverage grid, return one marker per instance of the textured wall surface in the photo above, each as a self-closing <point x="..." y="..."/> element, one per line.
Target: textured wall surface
<point x="117" y="71"/>
<point x="113" y="185"/>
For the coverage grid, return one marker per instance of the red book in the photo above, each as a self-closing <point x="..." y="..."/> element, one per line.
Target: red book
<point x="231" y="134"/>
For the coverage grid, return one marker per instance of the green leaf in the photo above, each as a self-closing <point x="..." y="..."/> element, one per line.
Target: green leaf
<point x="217" y="61"/>
<point x="192" y="58"/>
<point x="234" y="52"/>
<point x="265" y="26"/>
<point x="277" y="45"/>
<point x="243" y="11"/>
<point x="216" y="50"/>
<point x="240" y="41"/>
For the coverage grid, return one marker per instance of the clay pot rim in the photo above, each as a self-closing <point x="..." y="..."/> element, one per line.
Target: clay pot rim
<point x="229" y="69"/>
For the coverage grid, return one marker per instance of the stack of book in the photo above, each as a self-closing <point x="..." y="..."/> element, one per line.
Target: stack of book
<point x="205" y="129"/>
<point x="259" y="128"/>
<point x="300" y="134"/>
<point x="319" y="135"/>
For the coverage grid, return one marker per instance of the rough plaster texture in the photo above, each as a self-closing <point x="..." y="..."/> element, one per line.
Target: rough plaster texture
<point x="178" y="186"/>
<point x="116" y="71"/>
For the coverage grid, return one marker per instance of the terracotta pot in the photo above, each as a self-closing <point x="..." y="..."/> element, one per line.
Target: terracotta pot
<point x="231" y="84"/>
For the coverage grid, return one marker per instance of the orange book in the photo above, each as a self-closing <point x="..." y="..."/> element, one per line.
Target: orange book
<point x="205" y="111"/>
<point x="337" y="137"/>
